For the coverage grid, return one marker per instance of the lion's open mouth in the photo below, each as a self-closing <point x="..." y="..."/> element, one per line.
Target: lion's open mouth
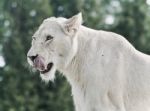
<point x="39" y="64"/>
<point x="49" y="67"/>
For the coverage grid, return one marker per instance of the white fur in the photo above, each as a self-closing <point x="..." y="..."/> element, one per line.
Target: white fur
<point x="105" y="71"/>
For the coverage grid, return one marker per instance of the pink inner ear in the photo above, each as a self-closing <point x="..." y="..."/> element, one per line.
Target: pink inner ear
<point x="72" y="25"/>
<point x="74" y="22"/>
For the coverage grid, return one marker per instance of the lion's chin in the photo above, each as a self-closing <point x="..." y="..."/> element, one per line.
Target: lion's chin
<point x="48" y="76"/>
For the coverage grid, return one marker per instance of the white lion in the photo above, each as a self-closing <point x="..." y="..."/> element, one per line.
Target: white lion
<point x="105" y="71"/>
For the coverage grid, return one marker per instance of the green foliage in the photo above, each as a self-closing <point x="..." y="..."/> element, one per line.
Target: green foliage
<point x="20" y="89"/>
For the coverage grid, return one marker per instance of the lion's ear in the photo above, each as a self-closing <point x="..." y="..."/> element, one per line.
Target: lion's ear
<point x="72" y="25"/>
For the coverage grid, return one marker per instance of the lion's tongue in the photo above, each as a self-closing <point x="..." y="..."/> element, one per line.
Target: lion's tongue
<point x="39" y="63"/>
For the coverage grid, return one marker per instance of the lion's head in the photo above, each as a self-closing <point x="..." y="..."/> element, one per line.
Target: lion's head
<point x="54" y="45"/>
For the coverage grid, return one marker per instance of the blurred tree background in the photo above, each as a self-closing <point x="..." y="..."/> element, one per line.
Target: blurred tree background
<point x="20" y="88"/>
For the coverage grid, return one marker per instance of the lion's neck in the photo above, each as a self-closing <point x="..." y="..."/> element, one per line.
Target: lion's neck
<point x="75" y="70"/>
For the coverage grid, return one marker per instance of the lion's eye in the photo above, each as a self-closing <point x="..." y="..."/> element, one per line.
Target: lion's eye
<point x="49" y="37"/>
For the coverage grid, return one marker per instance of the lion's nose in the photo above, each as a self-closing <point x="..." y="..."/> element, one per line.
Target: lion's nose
<point x="32" y="58"/>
